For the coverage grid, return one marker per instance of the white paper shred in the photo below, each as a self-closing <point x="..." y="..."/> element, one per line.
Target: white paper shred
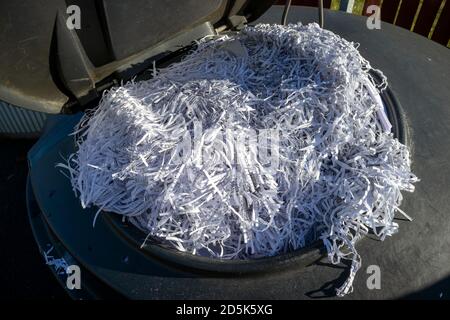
<point x="339" y="174"/>
<point x="58" y="264"/>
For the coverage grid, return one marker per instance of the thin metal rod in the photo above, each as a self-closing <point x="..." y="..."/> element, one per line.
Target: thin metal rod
<point x="320" y="5"/>
<point x="287" y="5"/>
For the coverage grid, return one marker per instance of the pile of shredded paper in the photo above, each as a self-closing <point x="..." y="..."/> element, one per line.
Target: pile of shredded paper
<point x="256" y="143"/>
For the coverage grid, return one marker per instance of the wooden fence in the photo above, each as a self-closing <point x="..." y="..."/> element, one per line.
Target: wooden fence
<point x="430" y="18"/>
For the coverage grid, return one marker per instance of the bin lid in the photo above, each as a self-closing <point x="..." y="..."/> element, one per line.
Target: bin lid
<point x="56" y="55"/>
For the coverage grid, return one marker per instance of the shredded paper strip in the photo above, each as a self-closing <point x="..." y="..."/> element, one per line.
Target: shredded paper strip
<point x="299" y="94"/>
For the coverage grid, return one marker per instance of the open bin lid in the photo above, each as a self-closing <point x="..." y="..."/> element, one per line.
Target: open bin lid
<point x="47" y="64"/>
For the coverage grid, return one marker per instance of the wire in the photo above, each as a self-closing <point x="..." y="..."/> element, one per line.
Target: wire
<point x="321" y="20"/>
<point x="287" y="5"/>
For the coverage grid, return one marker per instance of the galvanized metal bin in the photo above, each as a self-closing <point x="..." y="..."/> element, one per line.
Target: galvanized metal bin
<point x="17" y="122"/>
